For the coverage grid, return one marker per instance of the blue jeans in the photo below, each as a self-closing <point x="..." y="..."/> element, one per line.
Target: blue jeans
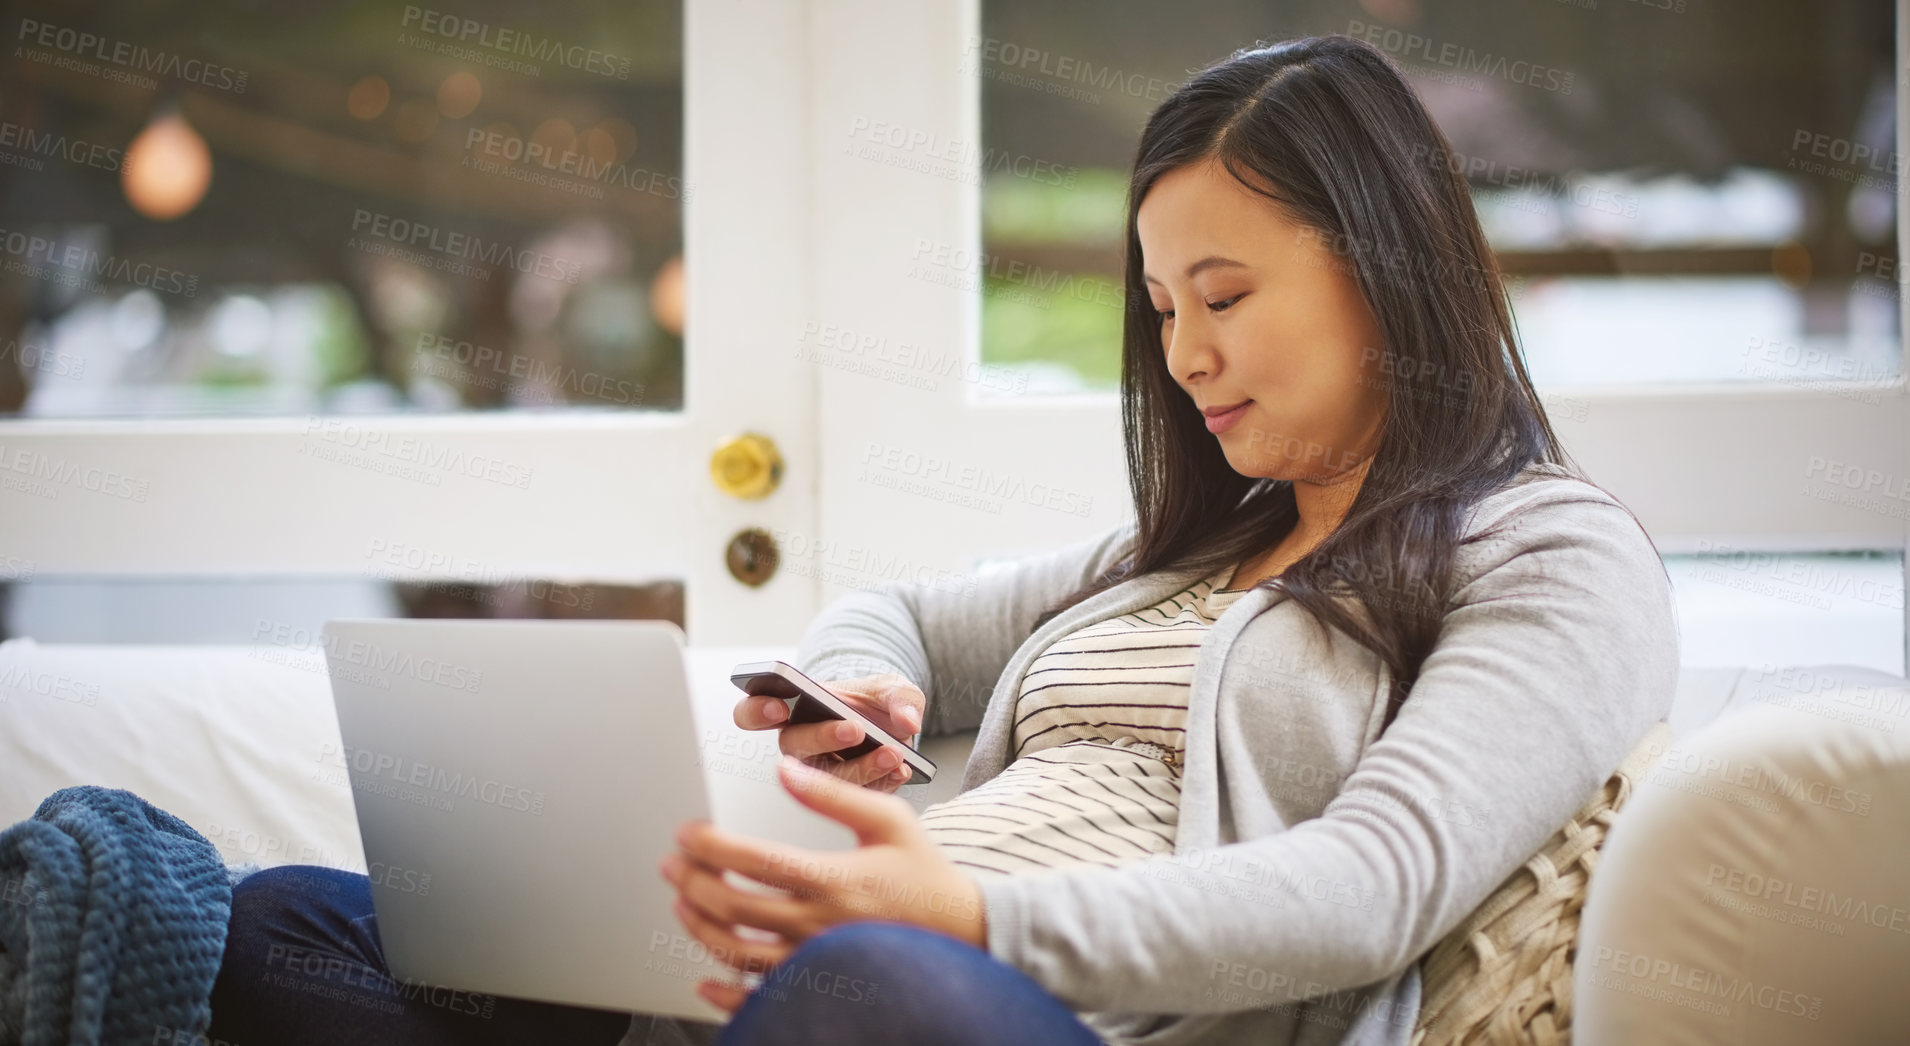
<point x="303" y="967"/>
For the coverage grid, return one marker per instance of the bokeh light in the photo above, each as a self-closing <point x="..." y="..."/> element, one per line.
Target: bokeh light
<point x="368" y="98"/>
<point x="600" y="146"/>
<point x="623" y="134"/>
<point x="241" y="325"/>
<point x="667" y="296"/>
<point x="556" y="136"/>
<point x="458" y="95"/>
<point x="138" y="319"/>
<point x="167" y="169"/>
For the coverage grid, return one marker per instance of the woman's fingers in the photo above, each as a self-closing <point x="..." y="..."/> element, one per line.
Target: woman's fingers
<point x="760" y="713"/>
<point x="882" y="769"/>
<point x="704" y="889"/>
<point x="888" y="701"/>
<point x="706" y="848"/>
<point x="805" y="740"/>
<point x="874" y="818"/>
<point x="892" y="707"/>
<point x="725" y="997"/>
<point x="741" y="954"/>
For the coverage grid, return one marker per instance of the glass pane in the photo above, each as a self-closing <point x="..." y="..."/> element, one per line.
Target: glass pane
<point x="314" y="209"/>
<point x="1692" y="192"/>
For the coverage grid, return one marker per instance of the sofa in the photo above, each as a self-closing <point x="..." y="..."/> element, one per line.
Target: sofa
<point x="1751" y="890"/>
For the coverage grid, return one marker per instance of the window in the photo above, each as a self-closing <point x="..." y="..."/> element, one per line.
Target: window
<point x="304" y="211"/>
<point x="1678" y="191"/>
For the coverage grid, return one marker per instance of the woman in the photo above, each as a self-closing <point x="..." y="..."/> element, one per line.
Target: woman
<point x="1243" y="759"/>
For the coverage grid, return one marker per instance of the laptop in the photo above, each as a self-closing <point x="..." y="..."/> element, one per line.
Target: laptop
<point x="517" y="783"/>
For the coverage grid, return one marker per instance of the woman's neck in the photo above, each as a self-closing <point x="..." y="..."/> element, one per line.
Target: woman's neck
<point x="1322" y="507"/>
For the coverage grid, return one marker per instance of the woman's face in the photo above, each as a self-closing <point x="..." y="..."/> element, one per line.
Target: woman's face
<point x="1257" y="309"/>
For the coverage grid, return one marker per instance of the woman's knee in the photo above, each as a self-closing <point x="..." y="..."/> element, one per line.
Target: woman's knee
<point x="881" y="982"/>
<point x="302" y="880"/>
<point x="873" y="950"/>
<point x="291" y="903"/>
<point x="291" y="925"/>
<point x="862" y="982"/>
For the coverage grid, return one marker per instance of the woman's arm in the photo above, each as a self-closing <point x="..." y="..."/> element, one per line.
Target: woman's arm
<point x="952" y="638"/>
<point x="1557" y="657"/>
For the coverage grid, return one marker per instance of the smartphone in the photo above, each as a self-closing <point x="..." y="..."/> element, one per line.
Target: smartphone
<point x="810" y="702"/>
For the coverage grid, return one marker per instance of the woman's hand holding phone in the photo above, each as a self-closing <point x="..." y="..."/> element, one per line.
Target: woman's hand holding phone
<point x="888" y="699"/>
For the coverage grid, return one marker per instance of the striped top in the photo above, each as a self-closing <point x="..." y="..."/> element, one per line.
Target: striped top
<point x="1099" y="734"/>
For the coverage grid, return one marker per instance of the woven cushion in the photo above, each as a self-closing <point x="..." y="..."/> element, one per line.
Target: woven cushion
<point x="1504" y="975"/>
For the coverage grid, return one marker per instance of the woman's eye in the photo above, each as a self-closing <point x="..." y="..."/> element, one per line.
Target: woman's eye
<point x="1217" y="306"/>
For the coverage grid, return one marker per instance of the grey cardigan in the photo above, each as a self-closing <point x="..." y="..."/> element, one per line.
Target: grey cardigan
<point x="1315" y="863"/>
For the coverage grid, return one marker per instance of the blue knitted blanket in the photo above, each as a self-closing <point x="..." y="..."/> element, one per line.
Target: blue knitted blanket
<point x="112" y="922"/>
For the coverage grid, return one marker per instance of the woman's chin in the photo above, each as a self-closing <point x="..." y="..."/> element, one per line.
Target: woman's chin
<point x="1254" y="468"/>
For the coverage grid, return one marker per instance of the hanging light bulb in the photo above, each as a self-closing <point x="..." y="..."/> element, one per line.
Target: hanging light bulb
<point x="168" y="167"/>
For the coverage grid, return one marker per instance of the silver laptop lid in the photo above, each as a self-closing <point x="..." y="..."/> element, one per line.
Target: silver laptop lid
<point x="517" y="783"/>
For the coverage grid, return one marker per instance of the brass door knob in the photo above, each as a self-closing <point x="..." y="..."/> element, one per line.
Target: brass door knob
<point x="747" y="466"/>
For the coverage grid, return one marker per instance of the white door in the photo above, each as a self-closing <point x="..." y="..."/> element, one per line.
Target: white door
<point x="928" y="459"/>
<point x="926" y="466"/>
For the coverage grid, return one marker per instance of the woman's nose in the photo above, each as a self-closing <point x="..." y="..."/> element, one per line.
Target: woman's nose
<point x="1190" y="353"/>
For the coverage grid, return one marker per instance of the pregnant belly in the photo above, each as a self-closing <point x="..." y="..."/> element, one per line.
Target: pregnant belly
<point x="1084" y="802"/>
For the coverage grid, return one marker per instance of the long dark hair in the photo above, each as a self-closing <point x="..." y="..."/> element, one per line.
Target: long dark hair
<point x="1329" y="130"/>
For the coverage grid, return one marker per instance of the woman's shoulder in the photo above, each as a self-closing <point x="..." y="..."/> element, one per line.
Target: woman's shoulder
<point x="1542" y="492"/>
<point x="1578" y="525"/>
<point x="1555" y="550"/>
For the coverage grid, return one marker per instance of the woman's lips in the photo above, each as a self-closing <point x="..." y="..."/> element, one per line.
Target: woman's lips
<point x="1219" y="423"/>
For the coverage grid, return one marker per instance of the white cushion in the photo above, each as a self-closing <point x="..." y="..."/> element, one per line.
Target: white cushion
<point x="239" y="742"/>
<point x="1752" y="891"/>
<point x="242" y="744"/>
